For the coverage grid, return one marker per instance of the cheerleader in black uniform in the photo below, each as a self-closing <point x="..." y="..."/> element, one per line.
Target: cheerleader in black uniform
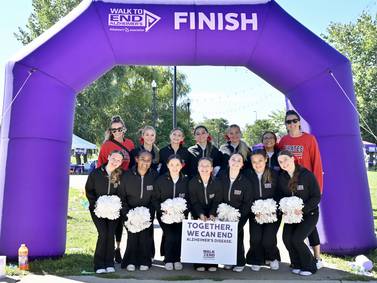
<point x="168" y="186"/>
<point x="236" y="191"/>
<point x="296" y="180"/>
<point x="205" y="197"/>
<point x="175" y="147"/>
<point x="263" y="241"/>
<point x="203" y="148"/>
<point x="137" y="190"/>
<point x="102" y="181"/>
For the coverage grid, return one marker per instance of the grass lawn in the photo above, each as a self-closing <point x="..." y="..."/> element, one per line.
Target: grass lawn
<point x="81" y="240"/>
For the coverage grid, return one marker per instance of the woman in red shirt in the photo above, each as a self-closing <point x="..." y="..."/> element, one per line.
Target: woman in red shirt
<point x="115" y="140"/>
<point x="305" y="150"/>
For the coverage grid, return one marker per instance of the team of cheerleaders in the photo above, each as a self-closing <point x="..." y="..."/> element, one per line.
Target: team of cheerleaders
<point x="133" y="185"/>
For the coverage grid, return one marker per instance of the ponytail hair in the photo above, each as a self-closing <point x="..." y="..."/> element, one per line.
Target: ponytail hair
<point x="114" y="119"/>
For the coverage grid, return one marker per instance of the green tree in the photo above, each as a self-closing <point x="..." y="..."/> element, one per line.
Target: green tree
<point x="125" y="90"/>
<point x="358" y="41"/>
<point x="217" y="128"/>
<point x="253" y="133"/>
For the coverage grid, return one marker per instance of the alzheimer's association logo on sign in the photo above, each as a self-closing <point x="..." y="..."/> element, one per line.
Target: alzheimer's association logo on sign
<point x="129" y="20"/>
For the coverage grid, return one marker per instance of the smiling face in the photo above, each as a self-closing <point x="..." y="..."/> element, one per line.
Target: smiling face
<point x="115" y="160"/>
<point x="259" y="162"/>
<point x="205" y="168"/>
<point x="287" y="163"/>
<point x="269" y="141"/>
<point x="176" y="137"/>
<point x="174" y="166"/>
<point x="117" y="130"/>
<point x="144" y="161"/>
<point x="201" y="136"/>
<point x="234" y="135"/>
<point x="235" y="161"/>
<point x="149" y="136"/>
<point x="292" y="122"/>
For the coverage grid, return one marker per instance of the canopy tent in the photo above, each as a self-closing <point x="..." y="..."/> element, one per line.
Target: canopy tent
<point x="80" y="143"/>
<point x="370" y="147"/>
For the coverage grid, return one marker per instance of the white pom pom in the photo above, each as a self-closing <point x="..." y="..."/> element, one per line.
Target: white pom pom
<point x="173" y="210"/>
<point x="226" y="212"/>
<point x="288" y="206"/>
<point x="264" y="210"/>
<point x="138" y="219"/>
<point x="108" y="207"/>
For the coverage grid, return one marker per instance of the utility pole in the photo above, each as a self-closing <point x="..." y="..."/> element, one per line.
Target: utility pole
<point x="154" y="104"/>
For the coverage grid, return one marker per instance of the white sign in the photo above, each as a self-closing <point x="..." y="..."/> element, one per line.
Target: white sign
<point x="216" y="21"/>
<point x="209" y="242"/>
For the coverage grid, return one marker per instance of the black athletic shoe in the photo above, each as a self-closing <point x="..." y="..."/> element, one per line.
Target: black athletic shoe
<point x="118" y="257"/>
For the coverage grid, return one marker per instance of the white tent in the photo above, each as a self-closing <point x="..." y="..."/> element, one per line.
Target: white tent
<point x="80" y="143"/>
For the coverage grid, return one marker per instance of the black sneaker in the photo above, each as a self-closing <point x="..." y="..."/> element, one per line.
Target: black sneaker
<point x="118" y="257"/>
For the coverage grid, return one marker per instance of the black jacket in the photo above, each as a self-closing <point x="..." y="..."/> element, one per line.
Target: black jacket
<point x="263" y="190"/>
<point x="155" y="157"/>
<point x="197" y="152"/>
<point x="307" y="189"/>
<point x="137" y="191"/>
<point x="165" y="188"/>
<point x="182" y="151"/>
<point x="98" y="184"/>
<point x="239" y="195"/>
<point x="204" y="200"/>
<point x="273" y="161"/>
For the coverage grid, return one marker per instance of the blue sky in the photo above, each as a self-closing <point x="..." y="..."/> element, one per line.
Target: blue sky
<point x="233" y="93"/>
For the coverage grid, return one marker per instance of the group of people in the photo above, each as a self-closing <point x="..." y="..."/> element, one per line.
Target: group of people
<point x="206" y="176"/>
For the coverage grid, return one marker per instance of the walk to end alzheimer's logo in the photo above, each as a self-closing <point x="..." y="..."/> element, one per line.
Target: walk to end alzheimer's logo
<point x="209" y="254"/>
<point x="130" y="20"/>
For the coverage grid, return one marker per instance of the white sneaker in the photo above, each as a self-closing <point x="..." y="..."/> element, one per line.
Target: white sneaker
<point x="319" y="263"/>
<point x="238" y="268"/>
<point x="296" y="270"/>
<point x="110" y="269"/>
<point x="212" y="269"/>
<point x="130" y="267"/>
<point x="305" y="273"/>
<point x="274" y="265"/>
<point x="144" y="267"/>
<point x="178" y="266"/>
<point x="101" y="271"/>
<point x="227" y="267"/>
<point x="200" y="269"/>
<point x="255" y="267"/>
<point x="169" y="266"/>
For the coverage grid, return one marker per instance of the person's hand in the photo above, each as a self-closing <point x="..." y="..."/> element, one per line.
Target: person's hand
<point x="212" y="218"/>
<point x="298" y="211"/>
<point x="203" y="217"/>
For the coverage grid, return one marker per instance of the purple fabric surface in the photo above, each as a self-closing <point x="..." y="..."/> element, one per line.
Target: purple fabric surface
<point x="35" y="144"/>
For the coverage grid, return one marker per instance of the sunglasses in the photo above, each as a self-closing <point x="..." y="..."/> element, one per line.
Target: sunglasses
<point x="294" y="121"/>
<point x="114" y="130"/>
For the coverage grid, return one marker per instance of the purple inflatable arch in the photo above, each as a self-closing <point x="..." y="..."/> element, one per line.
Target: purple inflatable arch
<point x="36" y="132"/>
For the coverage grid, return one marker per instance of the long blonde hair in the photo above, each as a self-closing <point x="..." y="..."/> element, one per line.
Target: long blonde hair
<point x="155" y="149"/>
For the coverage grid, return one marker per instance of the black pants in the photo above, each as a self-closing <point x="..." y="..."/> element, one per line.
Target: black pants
<point x="172" y="241"/>
<point x="314" y="238"/>
<point x="263" y="242"/>
<point x="139" y="248"/>
<point x="241" y="261"/>
<point x="294" y="236"/>
<point x="104" y="253"/>
<point x="119" y="230"/>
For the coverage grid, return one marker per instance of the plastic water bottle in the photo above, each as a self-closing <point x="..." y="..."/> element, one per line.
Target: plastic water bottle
<point x="364" y="262"/>
<point x="23" y="261"/>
